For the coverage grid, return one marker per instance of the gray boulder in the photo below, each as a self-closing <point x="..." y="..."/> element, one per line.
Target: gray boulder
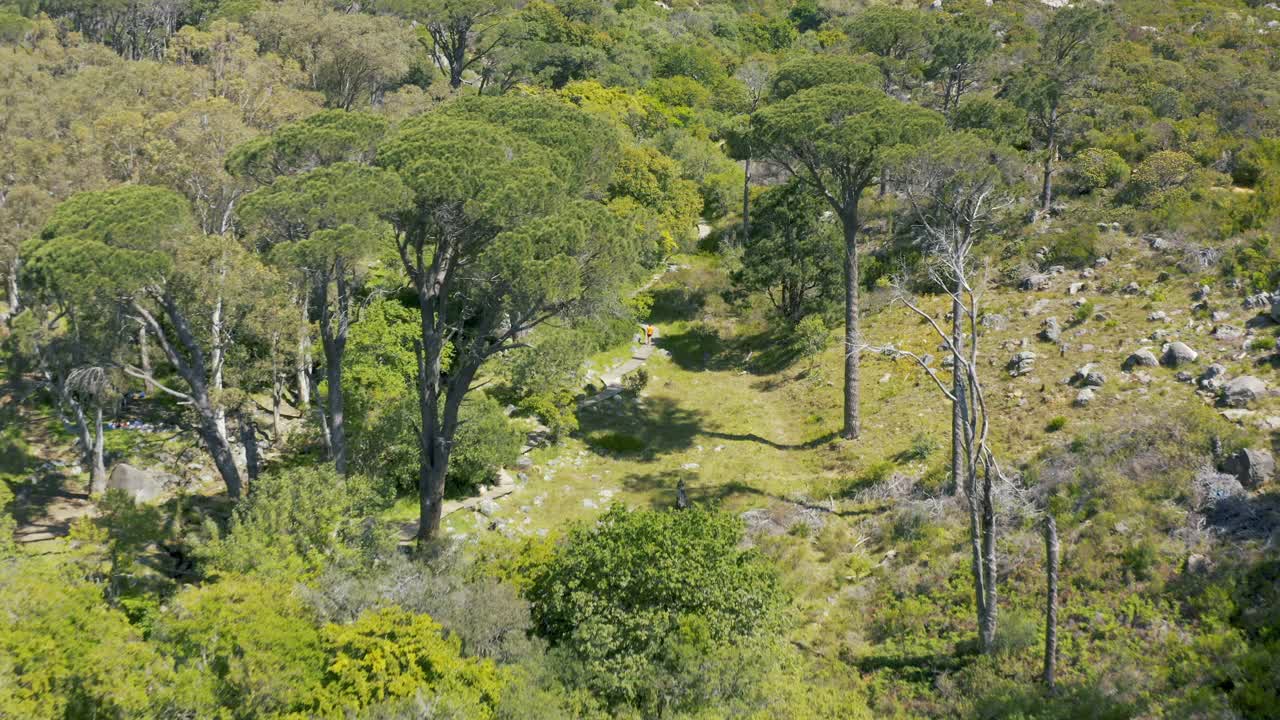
<point x="1176" y="354"/>
<point x="1258" y="302"/>
<point x="1212" y="378"/>
<point x="1141" y="358"/>
<point x="994" y="321"/>
<point x="1022" y="363"/>
<point x="1227" y="332"/>
<point x="1088" y="376"/>
<point x="1051" y="330"/>
<point x="1242" y="391"/>
<point x="142" y="485"/>
<point x="1084" y="397"/>
<point x="1036" y="281"/>
<point x="1275" y="307"/>
<point x="487" y="507"/>
<point x="1251" y="467"/>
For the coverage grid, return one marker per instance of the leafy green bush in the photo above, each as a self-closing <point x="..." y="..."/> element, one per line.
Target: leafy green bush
<point x="1095" y="168"/>
<point x="1084" y="312"/>
<point x="1055" y="424"/>
<point x="392" y="654"/>
<point x="923" y="445"/>
<point x="486" y="441"/>
<point x="1075" y="247"/>
<point x="811" y="336"/>
<point x="1256" y="263"/>
<point x="242" y="648"/>
<point x="636" y="380"/>
<point x="296" y="522"/>
<point x="1160" y="173"/>
<point x="64" y="653"/>
<point x="616" y="592"/>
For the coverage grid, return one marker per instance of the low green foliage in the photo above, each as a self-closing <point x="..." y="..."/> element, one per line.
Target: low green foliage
<point x="297" y="521"/>
<point x="1095" y="168"/>
<point x="391" y="654"/>
<point x="486" y="441"/>
<point x="636" y="380"/>
<point x="616" y="593"/>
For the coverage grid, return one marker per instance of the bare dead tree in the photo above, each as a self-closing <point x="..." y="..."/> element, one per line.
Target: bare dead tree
<point x="956" y="189"/>
<point x="1051" y="601"/>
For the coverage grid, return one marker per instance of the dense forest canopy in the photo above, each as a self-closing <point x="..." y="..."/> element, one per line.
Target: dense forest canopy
<point x="487" y="359"/>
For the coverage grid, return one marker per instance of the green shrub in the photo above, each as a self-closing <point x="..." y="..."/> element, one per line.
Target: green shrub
<point x="923" y="445"/>
<point x="486" y="441"/>
<point x="1056" y="424"/>
<point x="810" y="337"/>
<point x="296" y="522"/>
<point x="391" y="654"/>
<point x="636" y="380"/>
<point x="1076" y="247"/>
<point x="242" y="648"/>
<point x="1160" y="174"/>
<point x="64" y="653"/>
<point x="1084" y="312"/>
<point x="1095" y="168"/>
<point x="1263" y="342"/>
<point x="616" y="592"/>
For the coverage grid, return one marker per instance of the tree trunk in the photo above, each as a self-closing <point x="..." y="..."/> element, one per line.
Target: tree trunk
<point x="98" y="475"/>
<point x="1046" y="189"/>
<point x="333" y="337"/>
<point x="746" y="202"/>
<point x="304" y="361"/>
<point x="852" y="421"/>
<point x="249" y="438"/>
<point x="1051" y="602"/>
<point x="11" y="287"/>
<point x="216" y="359"/>
<point x="337" y="427"/>
<point x="987" y="629"/>
<point x="457" y="62"/>
<point x="958" y="390"/>
<point x="220" y="451"/>
<point x="144" y="357"/>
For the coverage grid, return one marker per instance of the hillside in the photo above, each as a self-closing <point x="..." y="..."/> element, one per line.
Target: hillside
<point x="484" y="360"/>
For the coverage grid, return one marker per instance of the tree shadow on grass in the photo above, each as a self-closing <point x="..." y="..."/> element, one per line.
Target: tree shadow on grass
<point x="810" y="444"/>
<point x="662" y="486"/>
<point x="639" y="428"/>
<point x="673" y="303"/>
<point x="701" y="348"/>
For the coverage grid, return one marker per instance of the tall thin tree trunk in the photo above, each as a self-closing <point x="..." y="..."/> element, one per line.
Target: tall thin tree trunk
<point x="216" y="360"/>
<point x="144" y="357"/>
<point x="11" y="287"/>
<point x="98" y="476"/>
<point x="302" y="370"/>
<point x="1051" y="151"/>
<point x="958" y="390"/>
<point x="987" y="630"/>
<point x="852" y="338"/>
<point x="1051" y="601"/>
<point x="249" y="438"/>
<point x="333" y="336"/>
<point x="746" y="201"/>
